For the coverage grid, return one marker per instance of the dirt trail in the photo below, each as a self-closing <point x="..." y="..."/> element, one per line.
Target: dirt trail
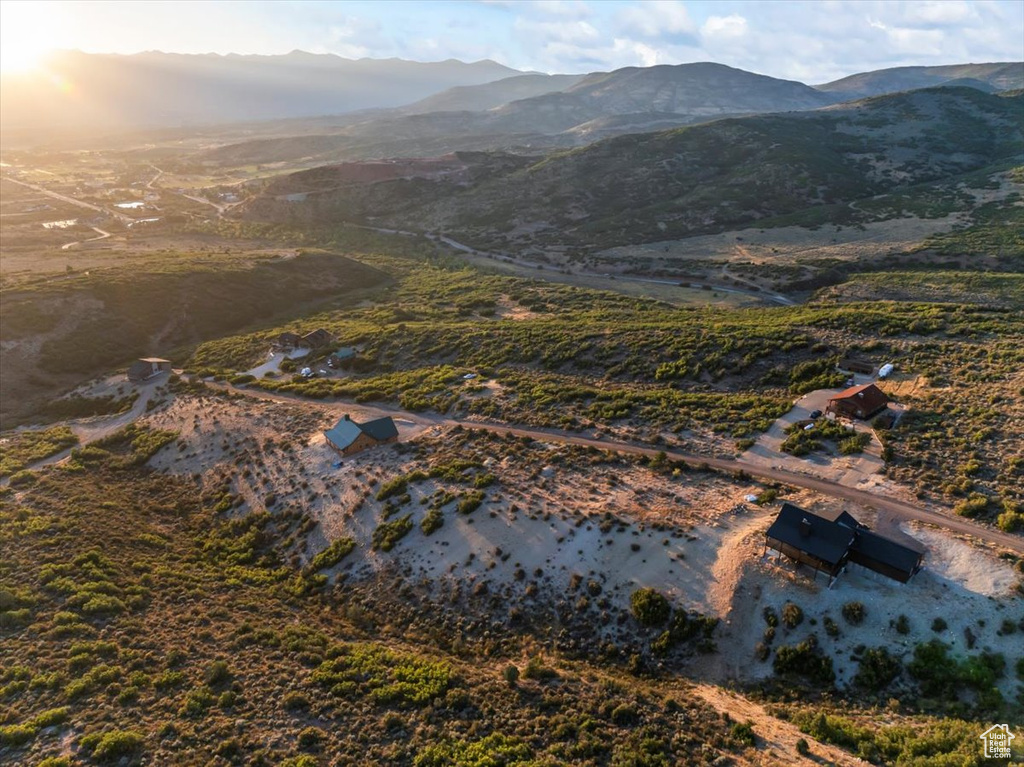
<point x="900" y="509"/>
<point x="777" y="736"/>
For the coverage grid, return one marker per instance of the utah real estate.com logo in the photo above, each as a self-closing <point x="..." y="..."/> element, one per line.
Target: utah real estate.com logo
<point x="997" y="741"/>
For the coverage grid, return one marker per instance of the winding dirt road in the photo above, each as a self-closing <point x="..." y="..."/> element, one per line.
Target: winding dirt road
<point x="889" y="508"/>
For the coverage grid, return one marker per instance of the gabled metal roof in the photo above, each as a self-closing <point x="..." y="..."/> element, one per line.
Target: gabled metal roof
<point x="381" y="429"/>
<point x="814" y="535"/>
<point x="885" y="550"/>
<point x="345" y="432"/>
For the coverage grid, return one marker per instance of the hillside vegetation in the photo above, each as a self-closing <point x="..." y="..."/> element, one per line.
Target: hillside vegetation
<point x="699" y="179"/>
<point x="59" y="332"/>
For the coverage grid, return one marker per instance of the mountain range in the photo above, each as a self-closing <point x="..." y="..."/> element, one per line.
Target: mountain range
<point x="164" y="89"/>
<point x="600" y="105"/>
<point x="689" y="180"/>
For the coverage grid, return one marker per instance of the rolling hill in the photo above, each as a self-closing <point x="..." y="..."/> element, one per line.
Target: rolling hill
<point x="1002" y="76"/>
<point x="698" y="179"/>
<point x="622" y="101"/>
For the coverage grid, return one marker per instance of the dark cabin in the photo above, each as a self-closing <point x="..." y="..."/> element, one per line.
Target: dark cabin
<point x="317" y="338"/>
<point x="287" y="340"/>
<point x="809" y="539"/>
<point x="828" y="542"/>
<point x="884" y="555"/>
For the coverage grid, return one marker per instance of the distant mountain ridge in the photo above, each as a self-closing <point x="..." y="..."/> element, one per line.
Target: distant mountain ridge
<point x="674" y="183"/>
<point x="166" y="89"/>
<point x="597" y="105"/>
<point x="999" y="76"/>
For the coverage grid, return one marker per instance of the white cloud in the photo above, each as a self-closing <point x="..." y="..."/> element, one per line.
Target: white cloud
<point x="657" y="19"/>
<point x="728" y="27"/>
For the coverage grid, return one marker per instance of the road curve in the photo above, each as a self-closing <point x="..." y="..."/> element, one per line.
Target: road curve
<point x="900" y="510"/>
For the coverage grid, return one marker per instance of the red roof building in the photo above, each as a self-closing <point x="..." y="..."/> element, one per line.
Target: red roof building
<point x="862" y="402"/>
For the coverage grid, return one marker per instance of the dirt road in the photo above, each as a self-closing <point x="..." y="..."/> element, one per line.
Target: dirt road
<point x="893" y="509"/>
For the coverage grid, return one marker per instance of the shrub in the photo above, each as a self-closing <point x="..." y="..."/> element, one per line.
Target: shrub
<point x="650" y="607"/>
<point x="217" y="673"/>
<point x="939" y="624"/>
<point x="804" y="660"/>
<point x="511" y="675"/>
<point x="972" y="506"/>
<point x="744" y="733"/>
<point x="112" y="745"/>
<point x="854" y="612"/>
<point x="903" y="625"/>
<point x="878" y="669"/>
<point x="792" y="615"/>
<point x="470" y="502"/>
<point x="802" y="747"/>
<point x="432" y="521"/>
<point x="332" y="555"/>
<point x="535" y="669"/>
<point x="388" y="534"/>
<point x="16" y="734"/>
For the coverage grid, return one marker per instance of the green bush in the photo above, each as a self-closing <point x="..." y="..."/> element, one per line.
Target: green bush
<point x="792" y="615"/>
<point x="650" y="607"/>
<point x="878" y="669"/>
<point x="388" y="534"/>
<point x="432" y="521"/>
<point x="332" y="555"/>
<point x="113" y="745"/>
<point x="854" y="613"/>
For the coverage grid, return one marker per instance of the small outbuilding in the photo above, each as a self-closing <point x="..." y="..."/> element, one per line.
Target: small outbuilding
<point x="857" y="365"/>
<point x="338" y="357"/>
<point x="348" y="437"/>
<point x="146" y="368"/>
<point x="861" y="402"/>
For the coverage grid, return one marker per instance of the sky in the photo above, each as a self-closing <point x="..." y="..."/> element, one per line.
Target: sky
<point x="812" y="41"/>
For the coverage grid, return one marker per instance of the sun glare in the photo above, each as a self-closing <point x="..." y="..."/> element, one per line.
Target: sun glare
<point x="24" y="37"/>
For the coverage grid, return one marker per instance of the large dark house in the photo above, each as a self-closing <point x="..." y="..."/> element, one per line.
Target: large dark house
<point x="829" y="545"/>
<point x="858" y="402"/>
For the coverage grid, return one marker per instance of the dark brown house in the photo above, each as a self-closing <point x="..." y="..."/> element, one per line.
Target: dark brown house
<point x="348" y="437"/>
<point x="861" y="402"/>
<point x="146" y="368"/>
<point x="316" y="339"/>
<point x="287" y="340"/>
<point x="830" y="544"/>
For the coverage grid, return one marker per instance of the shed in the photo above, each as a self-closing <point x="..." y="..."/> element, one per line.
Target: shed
<point x="344" y="353"/>
<point x="857" y="365"/>
<point x="861" y="402"/>
<point x="145" y="368"/>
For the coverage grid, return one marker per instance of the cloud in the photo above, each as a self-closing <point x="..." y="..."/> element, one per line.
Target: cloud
<point x="660" y="20"/>
<point x="728" y="27"/>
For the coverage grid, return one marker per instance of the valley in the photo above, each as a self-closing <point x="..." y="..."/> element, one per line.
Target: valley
<point x="458" y="429"/>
